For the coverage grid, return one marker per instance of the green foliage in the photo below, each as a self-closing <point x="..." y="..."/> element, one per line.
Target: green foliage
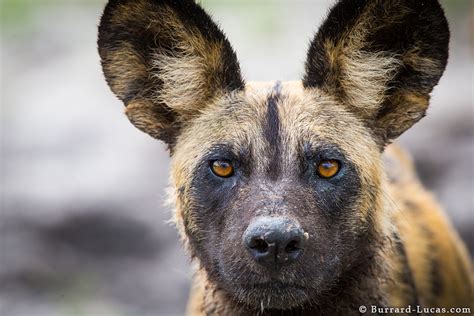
<point x="14" y="13"/>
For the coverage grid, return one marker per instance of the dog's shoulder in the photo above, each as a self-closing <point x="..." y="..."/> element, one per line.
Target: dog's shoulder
<point x="438" y="260"/>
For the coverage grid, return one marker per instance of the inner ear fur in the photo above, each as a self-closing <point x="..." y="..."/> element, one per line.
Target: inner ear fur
<point x="165" y="60"/>
<point x="380" y="58"/>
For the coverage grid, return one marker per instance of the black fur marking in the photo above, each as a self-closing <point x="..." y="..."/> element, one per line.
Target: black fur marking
<point x="411" y="206"/>
<point x="436" y="276"/>
<point x="406" y="273"/>
<point x="437" y="286"/>
<point x="271" y="131"/>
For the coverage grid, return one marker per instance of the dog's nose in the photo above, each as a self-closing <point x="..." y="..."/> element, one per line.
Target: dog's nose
<point x="274" y="241"/>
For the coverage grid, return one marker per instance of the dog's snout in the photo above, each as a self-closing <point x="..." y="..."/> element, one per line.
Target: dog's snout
<point x="274" y="241"/>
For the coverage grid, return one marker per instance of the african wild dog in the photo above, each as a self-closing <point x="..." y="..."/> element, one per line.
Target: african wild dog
<point x="287" y="194"/>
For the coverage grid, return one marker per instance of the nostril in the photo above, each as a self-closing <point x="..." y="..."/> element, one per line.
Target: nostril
<point x="274" y="241"/>
<point x="293" y="246"/>
<point x="259" y="245"/>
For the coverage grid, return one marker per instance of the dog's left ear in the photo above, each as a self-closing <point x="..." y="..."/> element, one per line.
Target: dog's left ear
<point x="166" y="60"/>
<point x="381" y="58"/>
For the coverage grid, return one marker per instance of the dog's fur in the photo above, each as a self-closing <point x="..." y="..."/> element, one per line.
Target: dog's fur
<point x="376" y="236"/>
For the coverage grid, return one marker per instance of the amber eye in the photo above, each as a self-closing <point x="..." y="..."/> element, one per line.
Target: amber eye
<point x="222" y="168"/>
<point x="328" y="168"/>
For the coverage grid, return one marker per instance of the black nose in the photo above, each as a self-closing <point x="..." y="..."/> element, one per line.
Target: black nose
<point x="274" y="241"/>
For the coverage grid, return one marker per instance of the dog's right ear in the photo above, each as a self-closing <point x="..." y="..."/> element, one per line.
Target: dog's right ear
<point x="382" y="59"/>
<point x="165" y="60"/>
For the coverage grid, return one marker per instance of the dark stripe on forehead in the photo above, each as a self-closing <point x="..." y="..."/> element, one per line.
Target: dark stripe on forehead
<point x="271" y="131"/>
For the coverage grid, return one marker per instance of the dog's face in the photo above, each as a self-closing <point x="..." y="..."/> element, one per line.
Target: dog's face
<point x="278" y="186"/>
<point x="276" y="159"/>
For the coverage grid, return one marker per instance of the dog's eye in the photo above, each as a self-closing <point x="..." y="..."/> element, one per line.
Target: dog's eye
<point x="328" y="168"/>
<point x="222" y="168"/>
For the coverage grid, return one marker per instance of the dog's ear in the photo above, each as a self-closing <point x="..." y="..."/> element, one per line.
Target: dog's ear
<point x="165" y="59"/>
<point x="382" y="59"/>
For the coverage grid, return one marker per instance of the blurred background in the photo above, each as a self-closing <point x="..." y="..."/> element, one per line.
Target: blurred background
<point x="83" y="224"/>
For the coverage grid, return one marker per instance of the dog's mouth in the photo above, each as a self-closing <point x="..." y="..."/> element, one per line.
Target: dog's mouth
<point x="273" y="295"/>
<point x="273" y="285"/>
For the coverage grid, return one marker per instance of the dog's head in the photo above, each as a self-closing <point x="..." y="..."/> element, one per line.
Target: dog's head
<point x="278" y="186"/>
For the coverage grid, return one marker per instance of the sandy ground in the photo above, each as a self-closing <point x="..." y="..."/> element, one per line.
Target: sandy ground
<point x="83" y="224"/>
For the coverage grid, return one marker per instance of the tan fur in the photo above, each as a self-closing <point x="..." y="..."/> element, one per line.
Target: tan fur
<point x="142" y="114"/>
<point x="188" y="76"/>
<point x="414" y="59"/>
<point x="411" y="107"/>
<point x="362" y="76"/>
<point x="365" y="79"/>
<point x="134" y="70"/>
